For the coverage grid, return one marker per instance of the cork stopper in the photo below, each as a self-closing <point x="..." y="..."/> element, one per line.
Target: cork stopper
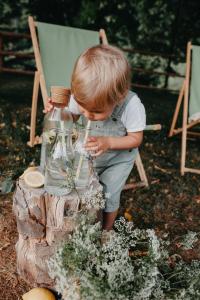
<point x="60" y="94"/>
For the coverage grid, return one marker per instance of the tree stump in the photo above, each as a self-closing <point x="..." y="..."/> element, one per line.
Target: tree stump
<point x="43" y="221"/>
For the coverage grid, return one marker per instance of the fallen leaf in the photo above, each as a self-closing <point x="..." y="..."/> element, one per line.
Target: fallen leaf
<point x="4" y="246"/>
<point x="128" y="216"/>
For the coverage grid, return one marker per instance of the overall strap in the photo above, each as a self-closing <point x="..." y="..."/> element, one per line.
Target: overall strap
<point x="119" y="109"/>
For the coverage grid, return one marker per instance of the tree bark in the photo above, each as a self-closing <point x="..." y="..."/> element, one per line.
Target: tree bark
<point x="43" y="221"/>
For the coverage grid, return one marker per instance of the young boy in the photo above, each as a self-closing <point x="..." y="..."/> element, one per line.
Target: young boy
<point x="100" y="89"/>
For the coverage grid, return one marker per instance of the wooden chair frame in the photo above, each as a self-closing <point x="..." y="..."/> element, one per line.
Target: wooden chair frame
<point x="39" y="81"/>
<point x="184" y="97"/>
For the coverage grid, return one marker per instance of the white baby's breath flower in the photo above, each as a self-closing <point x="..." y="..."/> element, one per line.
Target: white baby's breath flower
<point x="189" y="240"/>
<point x="93" y="198"/>
<point x="127" y="267"/>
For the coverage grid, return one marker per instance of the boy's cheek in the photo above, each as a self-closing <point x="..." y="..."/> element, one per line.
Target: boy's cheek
<point x="100" y="117"/>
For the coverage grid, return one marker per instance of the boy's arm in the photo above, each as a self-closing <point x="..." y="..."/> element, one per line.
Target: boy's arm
<point x="131" y="140"/>
<point x="104" y="143"/>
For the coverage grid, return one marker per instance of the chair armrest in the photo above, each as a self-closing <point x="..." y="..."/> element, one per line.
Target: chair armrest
<point x="153" y="127"/>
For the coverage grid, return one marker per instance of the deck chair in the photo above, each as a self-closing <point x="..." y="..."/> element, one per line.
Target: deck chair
<point x="190" y="96"/>
<point x="53" y="45"/>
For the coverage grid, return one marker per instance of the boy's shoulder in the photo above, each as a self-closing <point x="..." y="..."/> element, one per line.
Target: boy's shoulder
<point x="132" y="99"/>
<point x="134" y="116"/>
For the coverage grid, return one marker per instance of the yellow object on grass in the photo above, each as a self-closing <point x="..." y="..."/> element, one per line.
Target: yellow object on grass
<point x="128" y="216"/>
<point x="38" y="294"/>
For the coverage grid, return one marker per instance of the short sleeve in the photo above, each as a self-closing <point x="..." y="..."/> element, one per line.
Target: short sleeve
<point x="134" y="116"/>
<point x="73" y="106"/>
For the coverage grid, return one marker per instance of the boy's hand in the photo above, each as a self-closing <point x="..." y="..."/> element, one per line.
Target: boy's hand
<point x="97" y="145"/>
<point x="48" y="107"/>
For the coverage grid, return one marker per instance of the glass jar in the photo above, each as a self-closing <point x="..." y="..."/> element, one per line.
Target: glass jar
<point x="59" y="119"/>
<point x="57" y="151"/>
<point x="83" y="170"/>
<point x="59" y="164"/>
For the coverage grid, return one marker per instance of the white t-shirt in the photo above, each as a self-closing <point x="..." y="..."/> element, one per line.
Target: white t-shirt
<point x="133" y="117"/>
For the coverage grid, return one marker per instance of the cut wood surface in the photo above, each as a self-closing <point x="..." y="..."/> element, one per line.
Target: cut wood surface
<point x="43" y="221"/>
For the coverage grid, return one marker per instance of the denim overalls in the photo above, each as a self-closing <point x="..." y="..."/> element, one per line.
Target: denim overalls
<point x="114" y="166"/>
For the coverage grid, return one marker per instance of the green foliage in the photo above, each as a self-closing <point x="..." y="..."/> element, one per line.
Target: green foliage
<point x="152" y="25"/>
<point x="158" y="26"/>
<point x="13" y="15"/>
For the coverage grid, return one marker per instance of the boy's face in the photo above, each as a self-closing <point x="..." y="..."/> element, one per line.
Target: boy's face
<point x="99" y="115"/>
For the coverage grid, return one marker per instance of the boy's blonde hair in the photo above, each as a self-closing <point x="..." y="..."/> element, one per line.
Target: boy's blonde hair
<point x="101" y="77"/>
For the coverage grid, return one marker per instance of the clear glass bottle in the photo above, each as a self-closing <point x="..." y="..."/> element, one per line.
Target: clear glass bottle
<point x="57" y="151"/>
<point x="59" y="165"/>
<point x="83" y="170"/>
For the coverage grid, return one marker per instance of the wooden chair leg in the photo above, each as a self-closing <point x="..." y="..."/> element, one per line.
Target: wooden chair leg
<point x="141" y="170"/>
<point x="34" y="108"/>
<point x="183" y="149"/>
<point x="103" y="37"/>
<point x="184" y="139"/>
<point x="185" y="108"/>
<point x="178" y="105"/>
<point x="142" y="174"/>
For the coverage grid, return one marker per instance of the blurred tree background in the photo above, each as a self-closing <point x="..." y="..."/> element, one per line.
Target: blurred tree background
<point x="150" y="25"/>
